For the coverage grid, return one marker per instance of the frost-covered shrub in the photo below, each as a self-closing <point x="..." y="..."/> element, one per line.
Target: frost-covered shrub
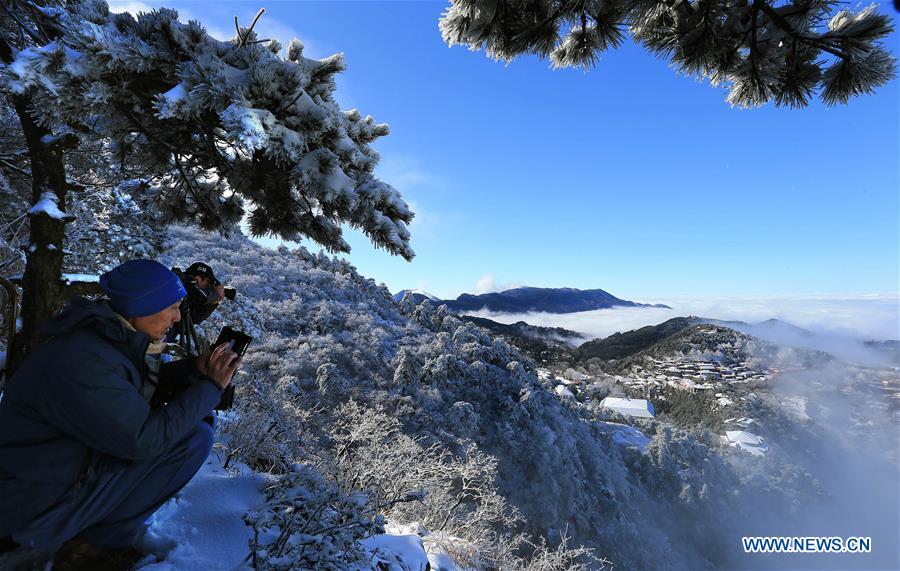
<point x="331" y="384"/>
<point x="463" y="418"/>
<point x="563" y="558"/>
<point x="110" y="227"/>
<point x="310" y="523"/>
<point x="410" y="480"/>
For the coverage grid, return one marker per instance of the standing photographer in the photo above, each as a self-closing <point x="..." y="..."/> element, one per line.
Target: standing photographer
<point x="204" y="294"/>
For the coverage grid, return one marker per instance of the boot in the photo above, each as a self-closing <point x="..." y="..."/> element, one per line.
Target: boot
<point x="78" y="555"/>
<point x="7" y="544"/>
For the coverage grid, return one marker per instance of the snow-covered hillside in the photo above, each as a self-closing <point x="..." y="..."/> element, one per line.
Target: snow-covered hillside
<point x="436" y="422"/>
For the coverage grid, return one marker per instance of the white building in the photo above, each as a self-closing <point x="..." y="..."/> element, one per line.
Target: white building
<point x="629" y="407"/>
<point x="747" y="441"/>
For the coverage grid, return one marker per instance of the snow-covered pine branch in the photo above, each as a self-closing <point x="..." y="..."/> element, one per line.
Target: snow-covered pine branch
<point x="762" y="50"/>
<point x="221" y="127"/>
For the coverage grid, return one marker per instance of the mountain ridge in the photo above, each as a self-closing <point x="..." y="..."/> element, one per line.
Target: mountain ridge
<point x="527" y="299"/>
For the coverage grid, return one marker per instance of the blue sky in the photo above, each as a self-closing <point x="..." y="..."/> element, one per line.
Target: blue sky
<point x="628" y="178"/>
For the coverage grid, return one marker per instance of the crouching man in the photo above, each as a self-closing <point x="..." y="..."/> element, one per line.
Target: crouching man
<point x="84" y="458"/>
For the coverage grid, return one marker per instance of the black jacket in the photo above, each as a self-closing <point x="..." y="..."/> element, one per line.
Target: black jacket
<point x="197" y="303"/>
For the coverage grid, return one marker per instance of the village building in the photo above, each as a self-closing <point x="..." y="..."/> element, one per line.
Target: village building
<point x="640" y="408"/>
<point x="747" y="441"/>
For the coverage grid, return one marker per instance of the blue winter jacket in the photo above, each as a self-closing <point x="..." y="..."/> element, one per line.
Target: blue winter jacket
<point x="74" y="408"/>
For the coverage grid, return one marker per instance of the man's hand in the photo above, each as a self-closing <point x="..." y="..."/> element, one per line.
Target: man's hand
<point x="219" y="364"/>
<point x="220" y="294"/>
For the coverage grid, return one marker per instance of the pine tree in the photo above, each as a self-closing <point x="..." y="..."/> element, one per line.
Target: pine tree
<point x="763" y="50"/>
<point x="218" y="129"/>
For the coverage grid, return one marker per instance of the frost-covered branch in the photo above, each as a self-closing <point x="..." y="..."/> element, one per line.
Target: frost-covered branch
<point x="763" y="50"/>
<point x="227" y="129"/>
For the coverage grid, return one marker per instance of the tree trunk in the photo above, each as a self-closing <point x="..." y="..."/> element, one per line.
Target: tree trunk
<point x="43" y="289"/>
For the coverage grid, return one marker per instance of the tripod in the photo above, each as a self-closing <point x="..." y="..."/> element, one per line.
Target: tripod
<point x="187" y="335"/>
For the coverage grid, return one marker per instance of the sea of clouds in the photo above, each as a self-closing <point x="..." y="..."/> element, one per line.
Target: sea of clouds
<point x="860" y="317"/>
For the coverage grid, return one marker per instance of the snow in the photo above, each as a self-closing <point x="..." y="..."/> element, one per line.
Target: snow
<point x="425" y="293"/>
<point x="562" y="391"/>
<point x="170" y="100"/>
<point x="248" y="126"/>
<point x="629" y="407"/>
<point x="795" y="405"/>
<point x="28" y="69"/>
<point x="435" y="546"/>
<point x="82" y="278"/>
<point x="441" y="562"/>
<point x="625" y="435"/>
<point x="175" y="94"/>
<point x="49" y="205"/>
<point x="747" y="441"/>
<point x="574" y="375"/>
<point x="202" y="527"/>
<point x="397" y="552"/>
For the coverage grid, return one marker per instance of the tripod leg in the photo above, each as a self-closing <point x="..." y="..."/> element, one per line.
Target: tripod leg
<point x="189" y="335"/>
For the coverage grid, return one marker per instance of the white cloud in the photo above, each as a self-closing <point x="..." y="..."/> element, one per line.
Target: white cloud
<point x="486" y="284"/>
<point x="404" y="172"/>
<point x="220" y="24"/>
<point x="851" y="317"/>
<point x="270" y="28"/>
<point x="489" y="284"/>
<point x="118" y="7"/>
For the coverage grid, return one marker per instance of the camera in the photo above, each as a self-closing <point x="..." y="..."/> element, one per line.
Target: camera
<point x="239" y="342"/>
<point x="169" y="388"/>
<point x="230" y="292"/>
<point x="238" y="339"/>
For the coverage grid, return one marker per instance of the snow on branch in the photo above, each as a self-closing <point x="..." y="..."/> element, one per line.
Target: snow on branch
<point x="223" y="129"/>
<point x="49" y="205"/>
<point x="762" y="50"/>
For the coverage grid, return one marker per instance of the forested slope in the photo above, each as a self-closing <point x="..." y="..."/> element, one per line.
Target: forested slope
<point x="408" y="402"/>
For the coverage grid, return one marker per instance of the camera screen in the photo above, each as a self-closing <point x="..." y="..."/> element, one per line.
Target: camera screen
<point x="240" y="340"/>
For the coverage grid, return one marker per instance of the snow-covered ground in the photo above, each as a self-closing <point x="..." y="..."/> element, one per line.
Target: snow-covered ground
<point x="625" y="435"/>
<point x="202" y="528"/>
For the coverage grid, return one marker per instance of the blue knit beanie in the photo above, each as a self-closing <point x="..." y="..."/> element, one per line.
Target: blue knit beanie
<point x="137" y="288"/>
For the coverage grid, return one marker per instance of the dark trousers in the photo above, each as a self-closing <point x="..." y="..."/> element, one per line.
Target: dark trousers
<point x="110" y="512"/>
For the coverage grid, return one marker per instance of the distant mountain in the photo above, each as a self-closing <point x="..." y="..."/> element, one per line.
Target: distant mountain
<point x="549" y="300"/>
<point x="724" y="345"/>
<point x="620" y="345"/>
<point x="542" y="344"/>
<point x="890" y="348"/>
<point x="418" y="296"/>
<point x="520" y="328"/>
<point x="780" y="327"/>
